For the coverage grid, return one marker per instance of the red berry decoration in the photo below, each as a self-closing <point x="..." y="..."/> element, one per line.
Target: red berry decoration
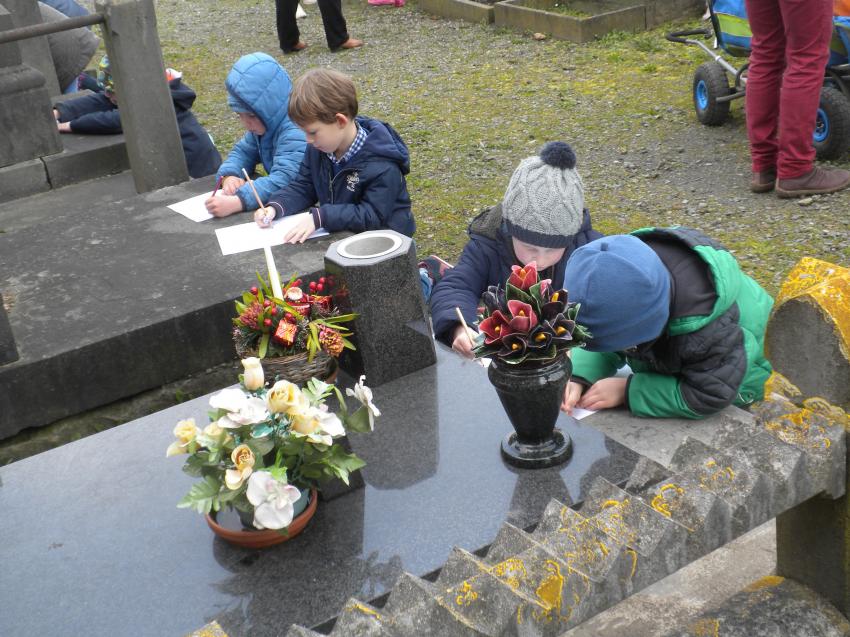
<point x="266" y="302"/>
<point x="254" y="290"/>
<point x="312" y="286"/>
<point x="320" y="287"/>
<point x="297" y="283"/>
<point x="321" y="280"/>
<point x="288" y="316"/>
<point x="273" y="311"/>
<point x="267" y="322"/>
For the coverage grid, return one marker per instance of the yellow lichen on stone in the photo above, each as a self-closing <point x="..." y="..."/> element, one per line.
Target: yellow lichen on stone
<point x="768" y="581"/>
<point x="831" y="412"/>
<point x="362" y="608"/>
<point x="778" y="384"/>
<point x="796" y="429"/>
<point x="550" y="591"/>
<point x="708" y="627"/>
<point x="511" y="571"/>
<point x="828" y="286"/>
<point x="660" y="502"/>
<point x="213" y="629"/>
<point x="466" y="595"/>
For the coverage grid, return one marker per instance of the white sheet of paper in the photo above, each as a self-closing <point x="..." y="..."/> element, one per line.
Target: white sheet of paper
<point x="579" y="413"/>
<point x="193" y="208"/>
<point x="250" y="236"/>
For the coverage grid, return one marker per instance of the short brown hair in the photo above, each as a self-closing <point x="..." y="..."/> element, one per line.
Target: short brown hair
<point x="319" y="94"/>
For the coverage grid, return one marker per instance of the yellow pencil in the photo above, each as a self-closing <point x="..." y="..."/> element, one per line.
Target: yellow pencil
<point x="465" y="327"/>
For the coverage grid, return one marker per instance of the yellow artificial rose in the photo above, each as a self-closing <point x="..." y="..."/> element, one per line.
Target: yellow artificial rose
<point x="306" y="423"/>
<point x="286" y="398"/>
<point x="253" y="377"/>
<point x="185" y="432"/>
<point x="213" y="430"/>
<point x="244" y="460"/>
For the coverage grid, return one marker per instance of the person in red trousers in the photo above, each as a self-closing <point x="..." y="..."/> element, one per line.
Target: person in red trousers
<point x="790" y="48"/>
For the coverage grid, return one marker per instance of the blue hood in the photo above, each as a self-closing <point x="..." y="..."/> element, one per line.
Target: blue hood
<point x="383" y="142"/>
<point x="263" y="86"/>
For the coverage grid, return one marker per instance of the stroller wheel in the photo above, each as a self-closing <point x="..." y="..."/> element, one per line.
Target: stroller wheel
<point x="710" y="82"/>
<point x="832" y="124"/>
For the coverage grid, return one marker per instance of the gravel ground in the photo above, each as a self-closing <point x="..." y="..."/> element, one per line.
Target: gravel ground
<point x="471" y="101"/>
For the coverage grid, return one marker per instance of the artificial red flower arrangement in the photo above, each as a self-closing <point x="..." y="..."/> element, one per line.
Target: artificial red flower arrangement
<point x="292" y="322"/>
<point x="528" y="321"/>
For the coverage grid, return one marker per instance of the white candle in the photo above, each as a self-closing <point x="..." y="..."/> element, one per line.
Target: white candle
<point x="273" y="276"/>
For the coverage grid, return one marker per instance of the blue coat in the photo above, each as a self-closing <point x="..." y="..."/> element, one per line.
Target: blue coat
<point x="261" y="84"/>
<point x="486" y="260"/>
<point x="96" y="114"/>
<point x="369" y="191"/>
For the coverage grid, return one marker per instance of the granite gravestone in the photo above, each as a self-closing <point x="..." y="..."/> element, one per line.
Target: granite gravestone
<point x="35" y="52"/>
<point x="25" y="114"/>
<point x="377" y="278"/>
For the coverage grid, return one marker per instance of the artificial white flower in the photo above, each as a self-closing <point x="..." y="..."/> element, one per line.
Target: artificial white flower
<point x="230" y="399"/>
<point x="272" y="501"/>
<point x="253" y="411"/>
<point x="364" y="395"/>
<point x="253" y="377"/>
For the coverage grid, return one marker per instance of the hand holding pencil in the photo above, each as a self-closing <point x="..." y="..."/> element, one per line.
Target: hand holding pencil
<point x="464" y="337"/>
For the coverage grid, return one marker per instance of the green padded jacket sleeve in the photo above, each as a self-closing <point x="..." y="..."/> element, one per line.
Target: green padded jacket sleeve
<point x="591" y="366"/>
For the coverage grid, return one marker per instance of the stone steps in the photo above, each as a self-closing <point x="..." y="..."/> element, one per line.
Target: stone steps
<point x="578" y="562"/>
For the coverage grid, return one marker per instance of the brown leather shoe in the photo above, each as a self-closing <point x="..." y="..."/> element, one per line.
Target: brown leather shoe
<point x="818" y="182"/>
<point x="764" y="181"/>
<point x="351" y="43"/>
<point x="300" y="46"/>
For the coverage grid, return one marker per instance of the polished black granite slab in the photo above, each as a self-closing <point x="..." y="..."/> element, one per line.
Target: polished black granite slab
<point x="92" y="543"/>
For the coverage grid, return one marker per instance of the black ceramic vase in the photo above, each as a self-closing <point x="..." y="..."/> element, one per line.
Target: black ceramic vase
<point x="531" y="397"/>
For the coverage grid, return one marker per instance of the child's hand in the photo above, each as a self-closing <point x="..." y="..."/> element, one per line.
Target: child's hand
<point x="460" y="342"/>
<point x="231" y="183"/>
<point x="604" y="394"/>
<point x="222" y="205"/>
<point x="64" y="127"/>
<point x="264" y="216"/>
<point x="301" y="231"/>
<point x="56" y="114"/>
<point x="572" y="394"/>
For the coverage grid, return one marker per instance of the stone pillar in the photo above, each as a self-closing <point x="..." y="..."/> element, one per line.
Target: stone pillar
<point x="808" y="341"/>
<point x="147" y="112"/>
<point x="26" y="118"/>
<point x="808" y="336"/>
<point x="377" y="277"/>
<point x="35" y="52"/>
<point x="8" y="351"/>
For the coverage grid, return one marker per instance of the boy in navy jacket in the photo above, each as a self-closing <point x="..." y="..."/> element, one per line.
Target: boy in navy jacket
<point x="353" y="169"/>
<point x="98" y="114"/>
<point x="542" y="218"/>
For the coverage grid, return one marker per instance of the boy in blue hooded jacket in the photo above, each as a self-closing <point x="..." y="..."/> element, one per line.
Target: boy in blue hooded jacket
<point x="257" y="91"/>
<point x="353" y="169"/>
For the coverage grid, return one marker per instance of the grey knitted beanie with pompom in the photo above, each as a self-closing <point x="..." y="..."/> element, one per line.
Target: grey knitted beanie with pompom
<point x="544" y="201"/>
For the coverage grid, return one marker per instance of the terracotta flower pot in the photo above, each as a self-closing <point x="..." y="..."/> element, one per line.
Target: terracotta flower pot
<point x="258" y="539"/>
<point x="531" y="397"/>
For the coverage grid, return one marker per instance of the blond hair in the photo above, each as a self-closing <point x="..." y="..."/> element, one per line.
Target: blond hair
<point x="319" y="94"/>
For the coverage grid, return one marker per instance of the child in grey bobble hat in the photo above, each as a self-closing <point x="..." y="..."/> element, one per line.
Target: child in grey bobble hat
<point x="542" y="218"/>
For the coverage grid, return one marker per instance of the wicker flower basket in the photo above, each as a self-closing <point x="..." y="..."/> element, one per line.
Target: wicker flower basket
<point x="296" y="368"/>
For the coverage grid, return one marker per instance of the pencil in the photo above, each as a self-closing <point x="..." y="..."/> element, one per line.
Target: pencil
<point x="256" y="194"/>
<point x="465" y="327"/>
<point x="217" y="186"/>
